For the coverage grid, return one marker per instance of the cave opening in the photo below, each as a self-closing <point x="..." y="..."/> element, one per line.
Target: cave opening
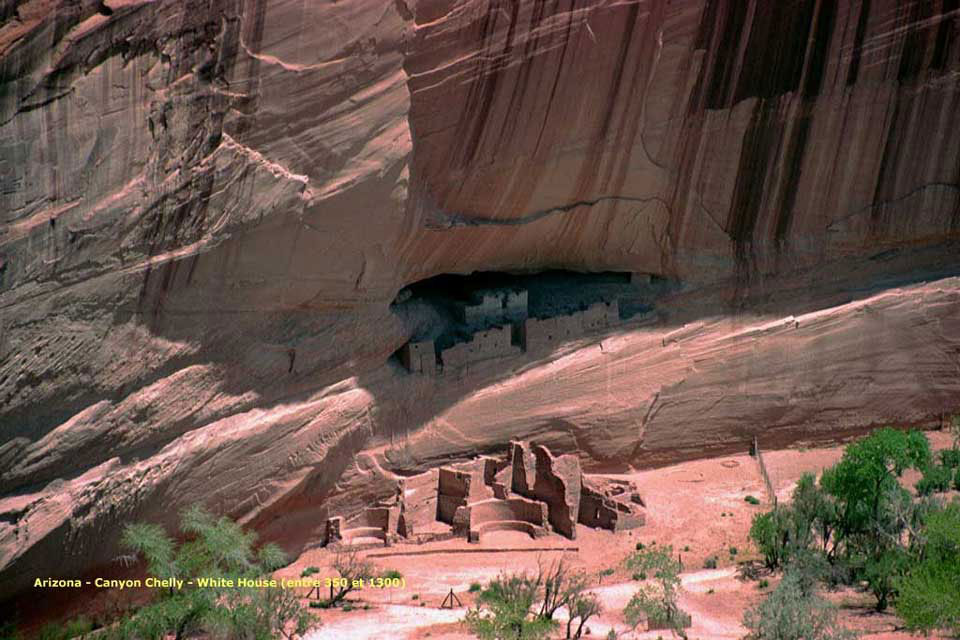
<point x="492" y="307"/>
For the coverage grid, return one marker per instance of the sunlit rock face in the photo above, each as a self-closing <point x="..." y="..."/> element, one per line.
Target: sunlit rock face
<point x="207" y="207"/>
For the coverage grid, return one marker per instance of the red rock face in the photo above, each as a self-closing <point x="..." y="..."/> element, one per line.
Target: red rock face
<point x="206" y="209"/>
<point x="685" y="138"/>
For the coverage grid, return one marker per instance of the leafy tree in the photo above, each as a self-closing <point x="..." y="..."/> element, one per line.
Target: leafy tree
<point x="770" y="532"/>
<point x="867" y="469"/>
<point x="656" y="599"/>
<point x="787" y="613"/>
<point x="216" y="548"/>
<point x="929" y="594"/>
<point x="936" y="479"/>
<point x="815" y="511"/>
<point x="505" y="611"/>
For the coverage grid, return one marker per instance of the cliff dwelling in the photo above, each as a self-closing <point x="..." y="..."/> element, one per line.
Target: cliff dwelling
<point x="459" y="320"/>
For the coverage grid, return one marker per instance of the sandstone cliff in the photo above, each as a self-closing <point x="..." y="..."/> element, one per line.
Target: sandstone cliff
<point x="206" y="208"/>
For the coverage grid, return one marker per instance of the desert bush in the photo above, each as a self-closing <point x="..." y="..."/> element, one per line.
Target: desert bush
<point x="505" y="611"/>
<point x="710" y="563"/>
<point x="752" y="500"/>
<point x="213" y="547"/>
<point x="787" y="614"/>
<point x="950" y="458"/>
<point x="76" y="628"/>
<point x="656" y="601"/>
<point x="936" y="479"/>
<point x="475" y="586"/>
<point x="929" y="592"/>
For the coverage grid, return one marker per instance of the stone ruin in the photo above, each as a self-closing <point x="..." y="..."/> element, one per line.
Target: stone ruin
<point x="529" y="490"/>
<point x="500" y="327"/>
<point x="494" y="307"/>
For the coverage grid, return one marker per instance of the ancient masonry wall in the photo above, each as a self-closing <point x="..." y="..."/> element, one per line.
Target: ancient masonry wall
<point x="453" y="488"/>
<point x="556" y="481"/>
<point x="515" y="508"/>
<point x="496" y="306"/>
<point x="542" y="333"/>
<point x="602" y="512"/>
<point x="491" y="343"/>
<point x="419" y="357"/>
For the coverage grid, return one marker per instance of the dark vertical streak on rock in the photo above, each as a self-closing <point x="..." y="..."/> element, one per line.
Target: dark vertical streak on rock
<point x="484" y="88"/>
<point x="858" y="38"/>
<point x="886" y="176"/>
<point x="945" y="35"/>
<point x="556" y="77"/>
<point x="591" y="165"/>
<point x="822" y="36"/>
<point x="255" y="11"/>
<point x="774" y="58"/>
<point x="793" y="164"/>
<point x="914" y="51"/>
<point x="760" y="143"/>
<point x="720" y="76"/>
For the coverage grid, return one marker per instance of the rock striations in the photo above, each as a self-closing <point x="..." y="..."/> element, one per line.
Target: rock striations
<point x="207" y="207"/>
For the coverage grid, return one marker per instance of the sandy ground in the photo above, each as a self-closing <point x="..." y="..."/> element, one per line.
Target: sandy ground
<point x="698" y="507"/>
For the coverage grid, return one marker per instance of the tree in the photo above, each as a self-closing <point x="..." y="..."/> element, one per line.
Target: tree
<point x="867" y="469"/>
<point x="656" y="599"/>
<point x="216" y="548"/>
<point x="816" y="512"/>
<point x="582" y="607"/>
<point x="789" y="614"/>
<point x="929" y="593"/>
<point x="353" y="570"/>
<point x="504" y="611"/>
<point x="558" y="585"/>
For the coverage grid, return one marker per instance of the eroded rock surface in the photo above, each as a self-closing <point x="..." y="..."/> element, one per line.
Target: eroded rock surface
<point x="206" y="209"/>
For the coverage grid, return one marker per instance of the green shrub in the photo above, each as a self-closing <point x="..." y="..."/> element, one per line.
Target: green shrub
<point x="475" y="586"/>
<point x="347" y="607"/>
<point x="956" y="481"/>
<point x="392" y="574"/>
<point x="65" y="630"/>
<point x="415" y="596"/>
<point x="763" y="584"/>
<point x="686" y="548"/>
<point x="936" y="479"/>
<point x="752" y="500"/>
<point x="710" y="563"/>
<point x="639" y="546"/>
<point x="733" y="551"/>
<point x="639" y="576"/>
<point x="929" y="594"/>
<point x="309" y="571"/>
<point x="787" y="614"/>
<point x="950" y="458"/>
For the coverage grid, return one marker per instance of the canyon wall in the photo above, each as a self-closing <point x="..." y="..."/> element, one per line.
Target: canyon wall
<point x="206" y="208"/>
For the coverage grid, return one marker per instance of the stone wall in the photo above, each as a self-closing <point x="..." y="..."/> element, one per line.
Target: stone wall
<point x="490" y="343"/>
<point x="603" y="511"/>
<point x="495" y="306"/>
<point x="453" y="488"/>
<point x="542" y="333"/>
<point x="419" y="357"/>
<point x="515" y="508"/>
<point x="556" y="481"/>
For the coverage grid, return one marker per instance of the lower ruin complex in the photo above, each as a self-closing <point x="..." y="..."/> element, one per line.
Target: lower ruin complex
<point x="529" y="490"/>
